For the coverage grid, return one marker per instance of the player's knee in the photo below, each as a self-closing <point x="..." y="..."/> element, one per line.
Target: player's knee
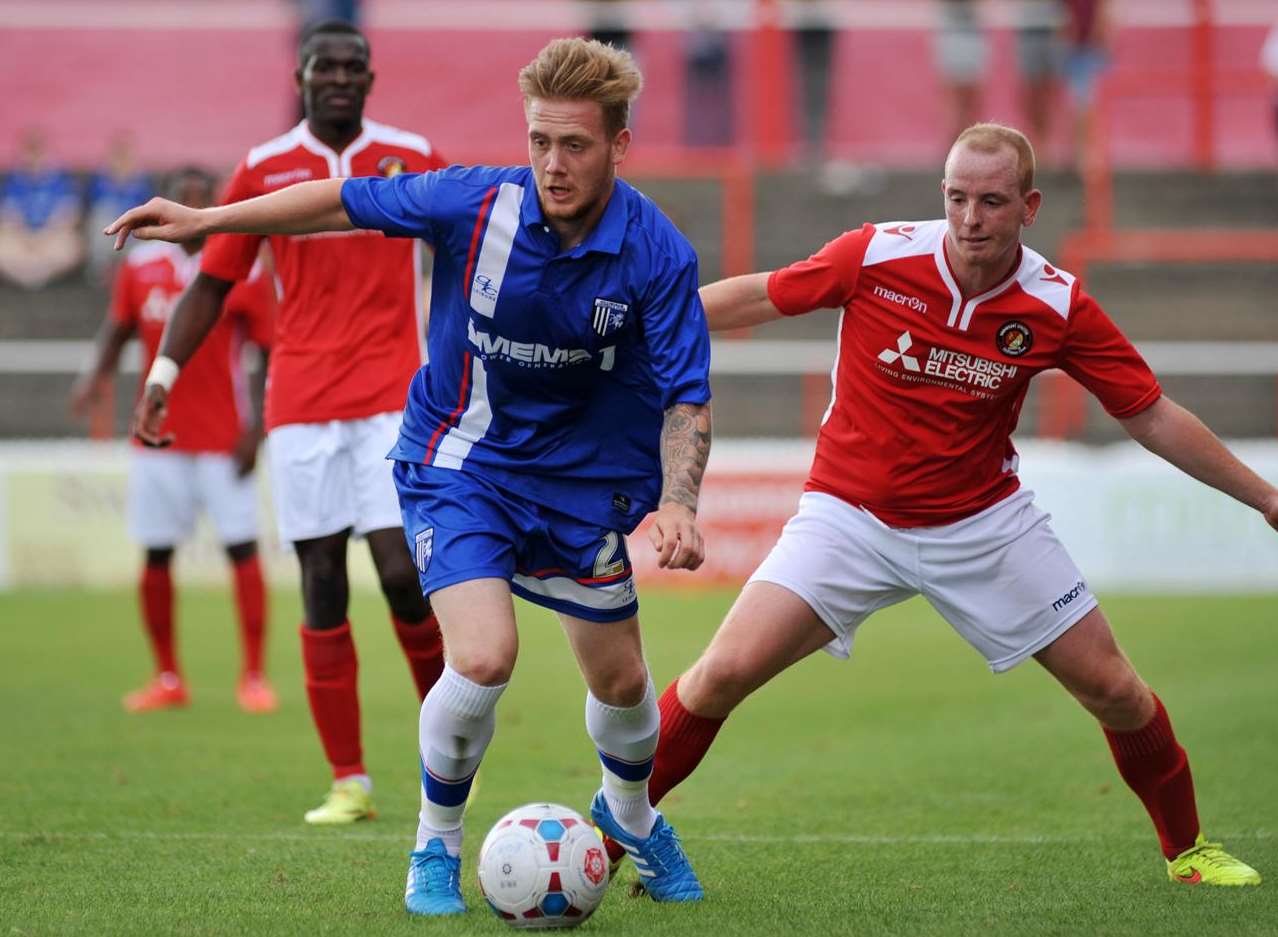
<point x="717" y="683"/>
<point x="159" y="557"/>
<point x="1119" y="700"/>
<point x="490" y="666"/>
<point x="624" y="687"/>
<point x="239" y="552"/>
<point x="403" y="592"/>
<point x="323" y="570"/>
<point x="325" y="591"/>
<point x="324" y="584"/>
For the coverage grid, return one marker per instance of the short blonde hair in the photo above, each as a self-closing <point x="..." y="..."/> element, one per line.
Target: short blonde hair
<point x="990" y="138"/>
<point x="585" y="69"/>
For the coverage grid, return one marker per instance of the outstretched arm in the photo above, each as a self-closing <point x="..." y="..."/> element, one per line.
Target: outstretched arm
<point x="305" y="208"/>
<point x="685" y="447"/>
<point x="1170" y="431"/>
<point x="738" y="302"/>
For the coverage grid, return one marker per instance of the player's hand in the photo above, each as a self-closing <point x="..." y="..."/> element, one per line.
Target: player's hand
<point x="157" y="220"/>
<point x="1270" y="511"/>
<point x="245" y="455"/>
<point x="675" y="537"/>
<point x="148" y="417"/>
<point x="85" y="392"/>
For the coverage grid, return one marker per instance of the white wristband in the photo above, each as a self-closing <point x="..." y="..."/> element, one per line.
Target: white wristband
<point x="164" y="371"/>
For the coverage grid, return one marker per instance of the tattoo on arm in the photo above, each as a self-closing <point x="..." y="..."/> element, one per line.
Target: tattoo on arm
<point x="685" y="447"/>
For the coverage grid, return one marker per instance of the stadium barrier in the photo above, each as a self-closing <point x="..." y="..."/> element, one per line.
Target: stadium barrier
<point x="1132" y="522"/>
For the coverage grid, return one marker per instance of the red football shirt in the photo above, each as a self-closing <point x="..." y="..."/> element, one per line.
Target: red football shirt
<point x="350" y="330"/>
<point x="209" y="405"/>
<point x="928" y="383"/>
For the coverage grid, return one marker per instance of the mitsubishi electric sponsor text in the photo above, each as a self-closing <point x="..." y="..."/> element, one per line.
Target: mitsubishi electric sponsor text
<point x="967" y="369"/>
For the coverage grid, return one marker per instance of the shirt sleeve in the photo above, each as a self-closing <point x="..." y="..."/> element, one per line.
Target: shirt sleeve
<point x="675" y="330"/>
<point x="231" y="256"/>
<point x="401" y="206"/>
<point x="826" y="280"/>
<point x="123" y="309"/>
<point x="1097" y="355"/>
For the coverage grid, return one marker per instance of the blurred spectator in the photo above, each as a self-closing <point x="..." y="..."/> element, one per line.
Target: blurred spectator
<point x="813" y="48"/>
<point x="112" y="191"/>
<point x="1087" y="39"/>
<point x="610" y="24"/>
<point x="1269" y="62"/>
<point x="962" y="52"/>
<point x="708" y="104"/>
<point x="1039" y="53"/>
<point x="39" y="219"/>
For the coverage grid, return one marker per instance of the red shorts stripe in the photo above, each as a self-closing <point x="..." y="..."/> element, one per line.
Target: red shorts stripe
<point x="589" y="581"/>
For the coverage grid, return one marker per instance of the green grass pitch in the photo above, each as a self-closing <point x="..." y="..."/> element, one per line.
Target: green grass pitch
<point x="907" y="792"/>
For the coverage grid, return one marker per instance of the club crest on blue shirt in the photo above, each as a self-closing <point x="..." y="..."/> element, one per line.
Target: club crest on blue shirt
<point x="609" y="317"/>
<point x="425" y="543"/>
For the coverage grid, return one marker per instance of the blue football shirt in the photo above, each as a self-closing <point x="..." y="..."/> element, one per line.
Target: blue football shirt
<point x="37" y="196"/>
<point x="550" y="371"/>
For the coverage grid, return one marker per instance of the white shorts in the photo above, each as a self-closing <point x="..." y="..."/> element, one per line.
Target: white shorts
<point x="1000" y="577"/>
<point x="168" y="489"/>
<point x="326" y="477"/>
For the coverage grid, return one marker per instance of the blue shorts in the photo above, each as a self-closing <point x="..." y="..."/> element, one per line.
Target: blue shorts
<point x="460" y="526"/>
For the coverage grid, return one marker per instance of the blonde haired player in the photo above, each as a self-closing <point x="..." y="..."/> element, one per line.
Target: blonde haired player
<point x="567" y="396"/>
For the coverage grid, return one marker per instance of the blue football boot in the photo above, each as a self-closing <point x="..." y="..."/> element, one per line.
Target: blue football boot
<point x="663" y="867"/>
<point x="434" y="881"/>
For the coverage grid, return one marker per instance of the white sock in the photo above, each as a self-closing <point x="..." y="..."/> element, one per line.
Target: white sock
<point x="452" y="838"/>
<point x="456" y="724"/>
<point x="626" y="738"/>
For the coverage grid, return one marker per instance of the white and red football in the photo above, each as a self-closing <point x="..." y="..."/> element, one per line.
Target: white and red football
<point x="543" y="865"/>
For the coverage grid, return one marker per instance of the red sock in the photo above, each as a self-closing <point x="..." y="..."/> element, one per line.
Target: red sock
<point x="1155" y="766"/>
<point x="685" y="739"/>
<point x="155" y="592"/>
<point x="331" y="670"/>
<point x="250" y="600"/>
<point x="424" y="647"/>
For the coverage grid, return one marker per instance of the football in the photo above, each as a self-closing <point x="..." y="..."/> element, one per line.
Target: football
<point x="543" y="865"/>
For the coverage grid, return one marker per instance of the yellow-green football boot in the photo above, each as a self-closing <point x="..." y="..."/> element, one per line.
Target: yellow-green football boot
<point x="347" y="802"/>
<point x="1208" y="864"/>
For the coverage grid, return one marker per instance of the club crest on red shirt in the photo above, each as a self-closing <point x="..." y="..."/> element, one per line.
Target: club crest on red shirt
<point x="1014" y="338"/>
<point x="391" y="166"/>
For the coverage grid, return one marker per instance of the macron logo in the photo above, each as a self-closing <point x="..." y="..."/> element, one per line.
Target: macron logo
<point x="1050" y="275"/>
<point x="288" y="177"/>
<point x="910" y="302"/>
<point x="1069" y="596"/>
<point x="888" y="356"/>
